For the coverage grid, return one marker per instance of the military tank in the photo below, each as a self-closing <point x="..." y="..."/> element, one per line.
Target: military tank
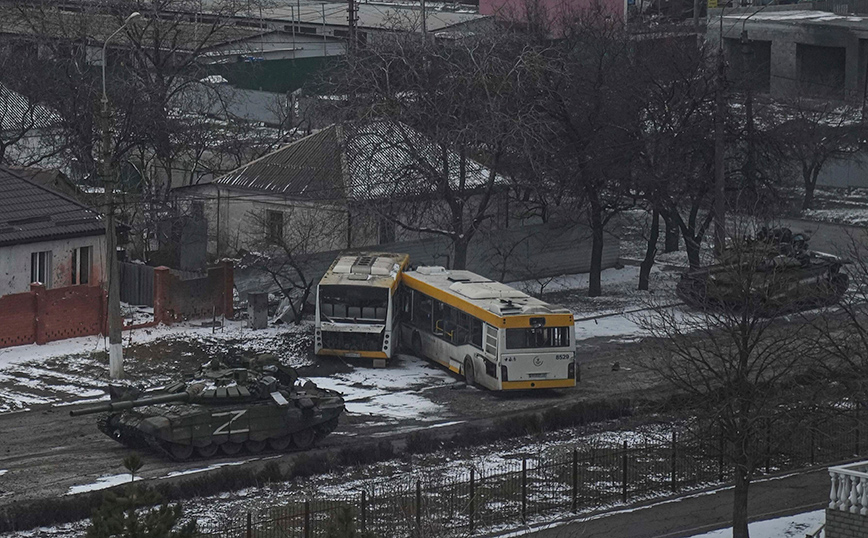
<point x="773" y="273"/>
<point x="222" y="409"/>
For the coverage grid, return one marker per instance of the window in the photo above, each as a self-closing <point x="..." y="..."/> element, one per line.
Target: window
<point x="422" y="305"/>
<point x="537" y="337"/>
<point x="40" y="268"/>
<point x="273" y="226"/>
<point x="81" y="263"/>
<point x="491" y="340"/>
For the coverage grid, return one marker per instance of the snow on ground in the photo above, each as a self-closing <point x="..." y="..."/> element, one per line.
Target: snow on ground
<point x="853" y="216"/>
<point x="395" y="392"/>
<point x="782" y="527"/>
<point x="103" y="482"/>
<point x="76" y="369"/>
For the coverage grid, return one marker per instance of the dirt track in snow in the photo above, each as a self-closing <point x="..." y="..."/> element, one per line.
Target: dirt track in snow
<point x="45" y="452"/>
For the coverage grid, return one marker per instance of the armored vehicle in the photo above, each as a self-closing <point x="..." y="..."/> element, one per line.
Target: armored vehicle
<point x="222" y="409"/>
<point x="773" y="273"/>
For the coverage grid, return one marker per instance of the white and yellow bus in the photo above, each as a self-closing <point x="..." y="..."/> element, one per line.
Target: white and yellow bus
<point x="356" y="315"/>
<point x="496" y="336"/>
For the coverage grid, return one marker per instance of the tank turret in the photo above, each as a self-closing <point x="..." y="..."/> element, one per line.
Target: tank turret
<point x="221" y="409"/>
<point x="774" y="273"/>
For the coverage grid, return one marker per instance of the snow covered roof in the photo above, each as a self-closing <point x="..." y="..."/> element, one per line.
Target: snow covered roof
<point x="801" y="16"/>
<point x="18" y="113"/>
<point x="31" y="213"/>
<point x="375" y="160"/>
<point x="483" y="297"/>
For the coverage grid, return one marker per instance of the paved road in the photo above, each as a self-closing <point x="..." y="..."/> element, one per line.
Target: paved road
<point x="699" y="513"/>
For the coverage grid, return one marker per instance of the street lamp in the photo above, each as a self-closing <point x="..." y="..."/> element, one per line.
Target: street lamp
<point x="131" y="17"/>
<point x="116" y="353"/>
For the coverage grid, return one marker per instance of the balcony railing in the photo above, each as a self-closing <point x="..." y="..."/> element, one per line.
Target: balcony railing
<point x="849" y="491"/>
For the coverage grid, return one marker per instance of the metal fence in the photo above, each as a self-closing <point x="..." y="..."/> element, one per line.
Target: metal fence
<point x="137" y="283"/>
<point x="584" y="478"/>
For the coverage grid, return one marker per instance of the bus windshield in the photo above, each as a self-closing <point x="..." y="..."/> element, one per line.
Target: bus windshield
<point x="353" y="303"/>
<point x="537" y="337"/>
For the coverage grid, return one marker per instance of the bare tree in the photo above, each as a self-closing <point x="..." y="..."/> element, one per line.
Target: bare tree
<point x="736" y="360"/>
<point x="454" y="110"/>
<point x="814" y="132"/>
<point x="283" y="248"/>
<point x="590" y="115"/>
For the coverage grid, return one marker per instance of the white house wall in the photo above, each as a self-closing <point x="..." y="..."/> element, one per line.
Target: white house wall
<point x="15" y="262"/>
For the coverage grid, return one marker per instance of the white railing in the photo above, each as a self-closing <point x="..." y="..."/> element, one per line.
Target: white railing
<point x="849" y="491"/>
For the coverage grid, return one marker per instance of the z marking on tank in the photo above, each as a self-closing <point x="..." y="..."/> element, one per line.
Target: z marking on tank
<point x="235" y="416"/>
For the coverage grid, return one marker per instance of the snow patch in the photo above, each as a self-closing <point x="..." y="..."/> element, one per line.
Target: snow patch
<point x="103" y="482"/>
<point x="783" y="527"/>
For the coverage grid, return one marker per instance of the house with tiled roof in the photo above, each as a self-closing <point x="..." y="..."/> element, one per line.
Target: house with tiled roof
<point x="339" y="173"/>
<point x="46" y="237"/>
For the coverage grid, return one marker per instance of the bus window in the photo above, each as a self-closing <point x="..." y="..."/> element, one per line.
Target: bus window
<point x="476" y="332"/>
<point x="438" y="318"/>
<point x="491" y="340"/>
<point x="537" y="337"/>
<point x="450" y="322"/>
<point x="462" y="329"/>
<point x="342" y="303"/>
<point x="422" y="305"/>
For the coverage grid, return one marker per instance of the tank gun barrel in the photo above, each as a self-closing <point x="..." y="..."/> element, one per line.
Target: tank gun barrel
<point x="129" y="404"/>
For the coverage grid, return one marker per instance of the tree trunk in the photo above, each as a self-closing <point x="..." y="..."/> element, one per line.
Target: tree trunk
<point x="650" y="251"/>
<point x="810" y="176"/>
<point x="739" y="504"/>
<point x="459" y="249"/>
<point x="672" y="237"/>
<point x="692" y="248"/>
<point x="595" y="288"/>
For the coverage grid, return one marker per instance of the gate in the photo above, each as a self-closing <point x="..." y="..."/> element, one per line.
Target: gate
<point x="137" y="283"/>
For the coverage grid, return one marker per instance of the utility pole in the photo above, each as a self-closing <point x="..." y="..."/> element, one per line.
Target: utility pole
<point x="352" y="19"/>
<point x="747" y="83"/>
<point x="116" y="352"/>
<point x="719" y="148"/>
<point x="424" y="21"/>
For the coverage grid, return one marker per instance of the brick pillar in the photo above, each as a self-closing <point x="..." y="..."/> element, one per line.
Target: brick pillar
<point x="39" y="300"/>
<point x="161" y="295"/>
<point x="228" y="288"/>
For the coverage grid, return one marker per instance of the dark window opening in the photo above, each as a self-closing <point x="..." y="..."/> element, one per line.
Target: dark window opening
<point x="821" y="71"/>
<point x="538" y="337"/>
<point x="353" y="303"/>
<point x="274" y="226"/>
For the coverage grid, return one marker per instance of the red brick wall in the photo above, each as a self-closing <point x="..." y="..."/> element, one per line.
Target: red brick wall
<point x="17" y="319"/>
<point x="73" y="311"/>
<point x="41" y="315"/>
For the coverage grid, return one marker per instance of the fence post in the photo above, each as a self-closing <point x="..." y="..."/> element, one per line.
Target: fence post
<point x="674" y="460"/>
<point x="624" y="474"/>
<point x="523" y="489"/>
<point x="249" y="525"/>
<point x="574" y="503"/>
<point x="472" y="497"/>
<point x="364" y="511"/>
<point x="418" y="508"/>
<point x="306" y="519"/>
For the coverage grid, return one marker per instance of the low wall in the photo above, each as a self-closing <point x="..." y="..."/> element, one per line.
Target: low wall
<point x="42" y="315"/>
<point x="178" y="299"/>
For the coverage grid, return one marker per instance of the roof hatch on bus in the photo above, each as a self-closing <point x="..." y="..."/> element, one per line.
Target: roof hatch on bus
<point x="486" y="290"/>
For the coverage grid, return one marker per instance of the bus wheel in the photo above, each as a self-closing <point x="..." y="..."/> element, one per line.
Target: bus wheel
<point x="417" y="345"/>
<point x="469" y="374"/>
